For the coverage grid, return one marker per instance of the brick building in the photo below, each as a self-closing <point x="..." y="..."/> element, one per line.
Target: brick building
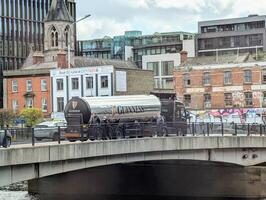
<point x="28" y="87"/>
<point x="222" y="83"/>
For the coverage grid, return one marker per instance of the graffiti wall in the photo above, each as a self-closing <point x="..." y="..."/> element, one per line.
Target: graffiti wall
<point x="236" y="115"/>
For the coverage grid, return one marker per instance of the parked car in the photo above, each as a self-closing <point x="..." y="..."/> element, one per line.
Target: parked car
<point x="48" y="130"/>
<point x="5" y="142"/>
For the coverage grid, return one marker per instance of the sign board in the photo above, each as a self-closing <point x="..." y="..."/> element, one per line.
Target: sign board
<point x="121" y="81"/>
<point x="107" y="69"/>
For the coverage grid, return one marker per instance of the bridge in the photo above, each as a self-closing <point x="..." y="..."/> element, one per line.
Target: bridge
<point x="25" y="162"/>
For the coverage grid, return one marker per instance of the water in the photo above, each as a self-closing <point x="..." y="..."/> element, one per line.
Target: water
<point x="15" y="195"/>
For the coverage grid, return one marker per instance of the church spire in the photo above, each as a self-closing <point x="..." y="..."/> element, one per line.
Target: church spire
<point x="58" y="12"/>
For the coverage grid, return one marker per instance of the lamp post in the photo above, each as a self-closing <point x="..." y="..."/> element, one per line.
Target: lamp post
<point x="68" y="46"/>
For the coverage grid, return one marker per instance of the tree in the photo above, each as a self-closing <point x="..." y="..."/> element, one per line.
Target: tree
<point x="6" y="118"/>
<point x="32" y="116"/>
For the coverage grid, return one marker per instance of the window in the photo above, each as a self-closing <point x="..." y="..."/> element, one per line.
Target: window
<point x="228" y="100"/>
<point x="43" y="85"/>
<point x="29" y="102"/>
<point x="14" y="86"/>
<point x="264" y="99"/>
<point x="206" y="78"/>
<point x="15" y="105"/>
<point x="264" y="75"/>
<point x="167" y="68"/>
<point x="248" y="99"/>
<point x="60" y="104"/>
<point x="54" y="37"/>
<point x="66" y="36"/>
<point x="187" y="99"/>
<point x="75" y="83"/>
<point x="207" y="100"/>
<point x="89" y="82"/>
<point x="104" y="81"/>
<point x="186" y="80"/>
<point x="29" y="85"/>
<point x="227" y="77"/>
<point x="167" y="83"/>
<point x="247" y="76"/>
<point x="44" y="105"/>
<point x="157" y="83"/>
<point x="59" y="84"/>
<point x="154" y="66"/>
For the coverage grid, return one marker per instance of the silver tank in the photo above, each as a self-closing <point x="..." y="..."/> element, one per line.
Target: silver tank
<point x="124" y="107"/>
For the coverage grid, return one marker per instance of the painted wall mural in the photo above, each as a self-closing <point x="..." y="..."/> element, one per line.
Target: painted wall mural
<point x="236" y="115"/>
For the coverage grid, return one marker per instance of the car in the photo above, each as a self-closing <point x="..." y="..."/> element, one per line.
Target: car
<point x="5" y="142"/>
<point x="48" y="130"/>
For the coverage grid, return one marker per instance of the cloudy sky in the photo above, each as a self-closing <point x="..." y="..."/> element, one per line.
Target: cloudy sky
<point x="113" y="17"/>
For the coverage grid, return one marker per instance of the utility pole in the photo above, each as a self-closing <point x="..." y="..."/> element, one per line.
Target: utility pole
<point x="69" y="37"/>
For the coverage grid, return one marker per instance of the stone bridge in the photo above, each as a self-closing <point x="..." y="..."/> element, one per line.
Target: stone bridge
<point x="25" y="162"/>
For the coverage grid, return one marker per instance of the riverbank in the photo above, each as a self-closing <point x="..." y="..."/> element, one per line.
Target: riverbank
<point x="21" y="186"/>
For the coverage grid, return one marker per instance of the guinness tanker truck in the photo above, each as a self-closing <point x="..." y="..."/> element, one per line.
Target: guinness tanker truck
<point x="123" y="116"/>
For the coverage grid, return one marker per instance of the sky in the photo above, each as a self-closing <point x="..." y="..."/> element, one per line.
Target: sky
<point x="114" y="17"/>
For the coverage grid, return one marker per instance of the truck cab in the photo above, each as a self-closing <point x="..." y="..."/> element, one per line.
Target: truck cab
<point x="175" y="116"/>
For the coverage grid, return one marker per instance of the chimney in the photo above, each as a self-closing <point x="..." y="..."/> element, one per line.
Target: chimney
<point x="61" y="60"/>
<point x="37" y="58"/>
<point x="183" y="56"/>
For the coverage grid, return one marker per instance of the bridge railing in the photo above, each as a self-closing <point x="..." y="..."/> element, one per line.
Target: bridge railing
<point x="108" y="131"/>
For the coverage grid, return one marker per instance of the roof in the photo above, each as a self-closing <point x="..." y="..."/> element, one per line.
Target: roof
<point x="37" y="69"/>
<point x="87" y="62"/>
<point x="58" y="12"/>
<point x="224" y="59"/>
<point x="45" y="67"/>
<point x="251" y="18"/>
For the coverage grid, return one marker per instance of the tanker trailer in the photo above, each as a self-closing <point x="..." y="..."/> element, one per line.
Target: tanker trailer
<point x="118" y="110"/>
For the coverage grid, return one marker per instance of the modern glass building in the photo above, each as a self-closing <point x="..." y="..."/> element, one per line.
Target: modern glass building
<point x="21" y="29"/>
<point x="133" y="45"/>
<point x="231" y="36"/>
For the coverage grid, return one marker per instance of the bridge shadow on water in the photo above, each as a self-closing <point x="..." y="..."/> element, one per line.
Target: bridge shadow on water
<point x="131" y="197"/>
<point x="155" y="180"/>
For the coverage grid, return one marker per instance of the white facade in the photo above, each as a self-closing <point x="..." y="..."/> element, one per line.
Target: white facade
<point x="189" y="47"/>
<point x="80" y="82"/>
<point x="129" y="53"/>
<point x="163" y="78"/>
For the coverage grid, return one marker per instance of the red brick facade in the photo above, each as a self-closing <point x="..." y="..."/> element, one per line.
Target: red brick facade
<point x="221" y="87"/>
<point x="20" y="93"/>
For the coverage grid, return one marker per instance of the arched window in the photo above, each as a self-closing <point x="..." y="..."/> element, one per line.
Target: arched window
<point x="67" y="40"/>
<point x="54" y="37"/>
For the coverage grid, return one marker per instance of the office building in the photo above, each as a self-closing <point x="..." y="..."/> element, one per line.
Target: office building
<point x="133" y="45"/>
<point x="231" y="36"/>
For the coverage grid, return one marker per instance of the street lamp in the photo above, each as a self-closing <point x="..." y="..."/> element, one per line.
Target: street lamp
<point x="68" y="46"/>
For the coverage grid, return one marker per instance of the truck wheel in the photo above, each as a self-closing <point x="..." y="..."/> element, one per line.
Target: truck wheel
<point x="56" y="137"/>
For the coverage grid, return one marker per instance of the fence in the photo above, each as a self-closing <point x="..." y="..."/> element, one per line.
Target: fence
<point x="105" y="131"/>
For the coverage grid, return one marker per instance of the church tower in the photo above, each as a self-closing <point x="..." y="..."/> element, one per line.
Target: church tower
<point x="58" y="31"/>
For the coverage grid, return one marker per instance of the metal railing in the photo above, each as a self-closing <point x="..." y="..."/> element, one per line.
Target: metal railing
<point x="110" y="131"/>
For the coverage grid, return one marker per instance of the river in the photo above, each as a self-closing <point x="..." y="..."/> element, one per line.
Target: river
<point x="15" y="195"/>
